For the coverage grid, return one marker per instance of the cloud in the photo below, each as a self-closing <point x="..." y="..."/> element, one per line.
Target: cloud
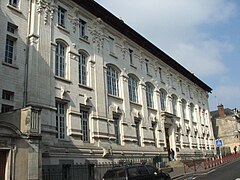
<point x="179" y="28"/>
<point x="227" y="94"/>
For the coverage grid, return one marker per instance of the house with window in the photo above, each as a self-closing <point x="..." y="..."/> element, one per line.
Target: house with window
<point x="226" y="127"/>
<point x="78" y="85"/>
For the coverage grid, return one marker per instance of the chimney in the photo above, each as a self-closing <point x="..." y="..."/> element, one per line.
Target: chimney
<point x="221" y="111"/>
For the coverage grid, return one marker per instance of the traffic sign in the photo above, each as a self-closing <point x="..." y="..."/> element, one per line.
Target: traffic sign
<point x="219" y="142"/>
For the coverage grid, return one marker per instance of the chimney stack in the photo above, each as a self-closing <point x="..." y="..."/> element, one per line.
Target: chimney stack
<point x="221" y="111"/>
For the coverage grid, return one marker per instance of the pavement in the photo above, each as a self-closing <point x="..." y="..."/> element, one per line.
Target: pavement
<point x="179" y="172"/>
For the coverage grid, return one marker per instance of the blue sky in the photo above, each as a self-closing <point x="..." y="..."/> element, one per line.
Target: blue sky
<point x="202" y="35"/>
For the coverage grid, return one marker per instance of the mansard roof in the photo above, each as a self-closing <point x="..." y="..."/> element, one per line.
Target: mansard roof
<point x="97" y="10"/>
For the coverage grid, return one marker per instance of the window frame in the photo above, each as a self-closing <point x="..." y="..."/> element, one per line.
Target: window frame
<point x="85" y="125"/>
<point x="61" y="120"/>
<point x="137" y="130"/>
<point x="130" y="56"/>
<point x="133" y="89"/>
<point x="111" y="45"/>
<point x="192" y="112"/>
<point x="7" y="95"/>
<point x="62" y="16"/>
<point x="112" y="81"/>
<point x="6" y="108"/>
<point x="82" y="28"/>
<point x="149" y="95"/>
<point x="14" y="3"/>
<point x="174" y="104"/>
<point x="147" y="65"/>
<point x="82" y="69"/>
<point x="116" y="123"/>
<point x="184" y="108"/>
<point x="10" y="49"/>
<point x="163" y="100"/>
<point x="60" y="60"/>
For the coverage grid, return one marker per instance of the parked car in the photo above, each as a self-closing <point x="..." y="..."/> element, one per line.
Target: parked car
<point x="135" y="172"/>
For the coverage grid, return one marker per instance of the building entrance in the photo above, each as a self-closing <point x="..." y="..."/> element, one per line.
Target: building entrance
<point x="3" y="160"/>
<point x="167" y="140"/>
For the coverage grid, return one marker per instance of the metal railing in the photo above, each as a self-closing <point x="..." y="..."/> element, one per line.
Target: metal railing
<point x="75" y="172"/>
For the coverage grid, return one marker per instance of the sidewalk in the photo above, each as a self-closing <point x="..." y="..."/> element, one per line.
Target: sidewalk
<point x="180" y="172"/>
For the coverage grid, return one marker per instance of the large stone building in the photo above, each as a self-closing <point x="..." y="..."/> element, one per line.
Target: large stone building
<point x="226" y="126"/>
<point x="77" y="85"/>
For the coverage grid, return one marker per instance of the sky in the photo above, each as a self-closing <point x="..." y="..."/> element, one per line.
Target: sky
<point x="201" y="35"/>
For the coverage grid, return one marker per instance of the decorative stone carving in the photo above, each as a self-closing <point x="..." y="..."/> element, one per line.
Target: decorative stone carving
<point x="97" y="33"/>
<point x="75" y="23"/>
<point x="45" y="7"/>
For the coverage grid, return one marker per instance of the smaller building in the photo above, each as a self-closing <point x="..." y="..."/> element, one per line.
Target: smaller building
<point x="226" y="126"/>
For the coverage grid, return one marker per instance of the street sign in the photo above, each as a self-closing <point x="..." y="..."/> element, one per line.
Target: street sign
<point x="219" y="143"/>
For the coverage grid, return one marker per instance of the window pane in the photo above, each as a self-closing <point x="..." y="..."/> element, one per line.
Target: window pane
<point x="112" y="81"/>
<point x="60" y="60"/>
<point x="85" y="125"/>
<point x="149" y="95"/>
<point x="82" y="70"/>
<point x="9" y="50"/>
<point x="60" y="120"/>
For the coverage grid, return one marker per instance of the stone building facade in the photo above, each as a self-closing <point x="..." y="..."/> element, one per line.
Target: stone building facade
<point x="102" y="91"/>
<point x="226" y="126"/>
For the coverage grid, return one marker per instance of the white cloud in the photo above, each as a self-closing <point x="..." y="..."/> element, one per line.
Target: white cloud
<point x="176" y="28"/>
<point x="227" y="94"/>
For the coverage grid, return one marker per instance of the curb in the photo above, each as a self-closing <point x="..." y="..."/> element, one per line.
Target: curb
<point x="202" y="172"/>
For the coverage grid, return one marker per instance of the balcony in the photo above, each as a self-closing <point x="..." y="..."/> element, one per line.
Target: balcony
<point x="24" y="121"/>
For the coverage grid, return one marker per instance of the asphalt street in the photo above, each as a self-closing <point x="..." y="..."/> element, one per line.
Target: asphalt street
<point x="227" y="172"/>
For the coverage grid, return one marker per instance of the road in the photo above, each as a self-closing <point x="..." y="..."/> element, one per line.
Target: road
<point x="227" y="172"/>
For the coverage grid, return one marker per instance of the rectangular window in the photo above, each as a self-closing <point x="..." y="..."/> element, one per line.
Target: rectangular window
<point x="137" y="122"/>
<point x="111" y="45"/>
<point x="154" y="131"/>
<point x="60" y="120"/>
<point x="133" y="89"/>
<point x="61" y="16"/>
<point x="6" y="108"/>
<point x="149" y="96"/>
<point x="9" y="49"/>
<point x="85" y="125"/>
<point x="174" y="105"/>
<point x="163" y="100"/>
<point x="11" y="28"/>
<point x="60" y="60"/>
<point x="82" y="70"/>
<point x="147" y="66"/>
<point x="82" y="28"/>
<point x="7" y="95"/>
<point x="112" y="81"/>
<point x="13" y="3"/>
<point x="130" y="56"/>
<point x="181" y="86"/>
<point x="160" y="73"/>
<point x="116" y="129"/>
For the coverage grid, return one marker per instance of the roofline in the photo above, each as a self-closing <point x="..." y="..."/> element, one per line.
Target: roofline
<point x="99" y="11"/>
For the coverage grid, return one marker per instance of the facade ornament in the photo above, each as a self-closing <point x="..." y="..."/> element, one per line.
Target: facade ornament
<point x="45" y="7"/>
<point x="97" y="32"/>
<point x="124" y="48"/>
<point x="75" y="23"/>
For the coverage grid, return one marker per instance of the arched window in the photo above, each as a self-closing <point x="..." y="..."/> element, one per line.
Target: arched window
<point x="149" y="95"/>
<point x="174" y="104"/>
<point x="163" y="97"/>
<point x="133" y="89"/>
<point x="184" y="108"/>
<point x="82" y="67"/>
<point x="60" y="60"/>
<point x="112" y="81"/>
